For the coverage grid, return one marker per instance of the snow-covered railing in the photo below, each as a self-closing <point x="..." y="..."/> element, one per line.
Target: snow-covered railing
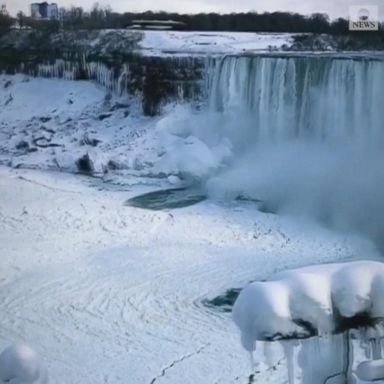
<point x="328" y="319"/>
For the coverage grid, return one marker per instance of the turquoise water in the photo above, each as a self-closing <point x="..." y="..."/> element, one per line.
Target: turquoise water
<point x="167" y="199"/>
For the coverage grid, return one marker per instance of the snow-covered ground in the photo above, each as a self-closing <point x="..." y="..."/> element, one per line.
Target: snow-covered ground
<point x="160" y="42"/>
<point x="67" y="120"/>
<point x="50" y="123"/>
<point x="107" y="293"/>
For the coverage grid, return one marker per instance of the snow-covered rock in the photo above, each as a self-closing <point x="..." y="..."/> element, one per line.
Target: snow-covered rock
<point x="19" y="364"/>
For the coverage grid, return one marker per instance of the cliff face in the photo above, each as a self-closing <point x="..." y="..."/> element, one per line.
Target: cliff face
<point x="111" y="58"/>
<point x="156" y="66"/>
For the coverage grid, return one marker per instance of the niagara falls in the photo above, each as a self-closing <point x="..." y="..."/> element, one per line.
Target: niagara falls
<point x="191" y="192"/>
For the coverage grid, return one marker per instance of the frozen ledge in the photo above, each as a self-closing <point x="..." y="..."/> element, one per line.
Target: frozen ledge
<point x="328" y="319"/>
<point x="302" y="303"/>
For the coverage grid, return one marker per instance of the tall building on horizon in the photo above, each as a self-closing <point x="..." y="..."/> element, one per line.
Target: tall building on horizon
<point x="44" y="11"/>
<point x="3" y="10"/>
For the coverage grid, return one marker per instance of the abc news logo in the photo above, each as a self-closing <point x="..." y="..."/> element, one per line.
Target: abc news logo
<point x="364" y="18"/>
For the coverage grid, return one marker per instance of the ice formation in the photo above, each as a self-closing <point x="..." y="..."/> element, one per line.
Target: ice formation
<point x="19" y="364"/>
<point x="327" y="318"/>
<point x="67" y="70"/>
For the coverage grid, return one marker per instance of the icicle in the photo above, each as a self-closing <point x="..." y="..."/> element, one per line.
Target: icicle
<point x="348" y="359"/>
<point x="180" y="92"/>
<point x="375" y="348"/>
<point x="289" y="355"/>
<point x="381" y="343"/>
<point x="252" y="361"/>
<point x="273" y="352"/>
<point x="122" y="82"/>
<point x="364" y="343"/>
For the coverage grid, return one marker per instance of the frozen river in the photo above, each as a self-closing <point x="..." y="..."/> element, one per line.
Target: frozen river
<point x="108" y="293"/>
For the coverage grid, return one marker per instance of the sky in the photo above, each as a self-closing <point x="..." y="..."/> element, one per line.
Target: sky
<point x="334" y="8"/>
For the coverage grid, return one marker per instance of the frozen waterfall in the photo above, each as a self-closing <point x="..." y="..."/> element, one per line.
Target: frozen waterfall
<point x="327" y="99"/>
<point x="303" y="135"/>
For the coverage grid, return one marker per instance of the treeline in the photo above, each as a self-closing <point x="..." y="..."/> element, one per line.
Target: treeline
<point x="249" y="22"/>
<point x="5" y="23"/>
<point x="104" y="17"/>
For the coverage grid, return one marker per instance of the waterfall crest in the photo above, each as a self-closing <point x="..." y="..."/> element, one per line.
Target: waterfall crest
<point x="302" y="97"/>
<point x="304" y="135"/>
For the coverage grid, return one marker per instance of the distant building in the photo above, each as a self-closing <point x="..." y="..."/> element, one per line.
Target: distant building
<point x="156" y="24"/>
<point x="3" y="10"/>
<point x="44" y="11"/>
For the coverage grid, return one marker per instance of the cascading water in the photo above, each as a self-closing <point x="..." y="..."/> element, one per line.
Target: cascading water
<point x="303" y="97"/>
<point x="305" y="135"/>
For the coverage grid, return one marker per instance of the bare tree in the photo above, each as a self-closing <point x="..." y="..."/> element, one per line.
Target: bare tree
<point x="21" y="19"/>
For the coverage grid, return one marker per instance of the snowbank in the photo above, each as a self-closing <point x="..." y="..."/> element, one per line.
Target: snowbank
<point x="112" y="293"/>
<point x="22" y="98"/>
<point x="176" y="42"/>
<point x="54" y="123"/>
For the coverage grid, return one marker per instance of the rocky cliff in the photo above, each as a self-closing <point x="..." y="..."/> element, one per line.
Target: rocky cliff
<point x="112" y="58"/>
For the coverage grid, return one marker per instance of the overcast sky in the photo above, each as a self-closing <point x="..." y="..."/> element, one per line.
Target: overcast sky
<point x="334" y="8"/>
